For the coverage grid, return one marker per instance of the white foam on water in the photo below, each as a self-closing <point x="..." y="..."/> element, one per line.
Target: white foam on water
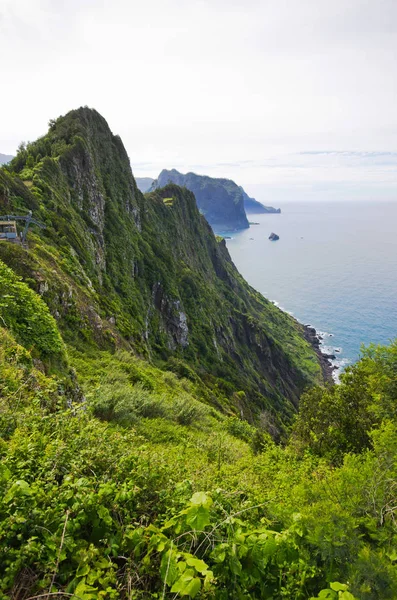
<point x="325" y="340"/>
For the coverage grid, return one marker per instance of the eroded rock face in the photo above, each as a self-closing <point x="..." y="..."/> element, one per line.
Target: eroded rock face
<point x="173" y="318"/>
<point x="179" y="321"/>
<point x="88" y="194"/>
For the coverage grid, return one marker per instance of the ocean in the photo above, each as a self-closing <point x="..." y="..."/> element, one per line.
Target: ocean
<point x="334" y="267"/>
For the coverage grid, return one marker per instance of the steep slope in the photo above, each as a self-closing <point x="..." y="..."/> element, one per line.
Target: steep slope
<point x="144" y="183"/>
<point x="252" y="206"/>
<point x="120" y="270"/>
<point x="219" y="200"/>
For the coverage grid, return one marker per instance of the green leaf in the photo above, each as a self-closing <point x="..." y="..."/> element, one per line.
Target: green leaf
<point x="197" y="563"/>
<point x="168" y="567"/>
<point x="18" y="488"/>
<point x="327" y="595"/>
<point x="392" y="555"/>
<point x="85" y="591"/>
<point x="198" y="517"/>
<point x="338" y="587"/>
<point x="82" y="570"/>
<point x="104" y="514"/>
<point x="346" y="596"/>
<point x="5" y="473"/>
<point x="209" y="577"/>
<point x="219" y="553"/>
<point x="201" y="498"/>
<point x="187" y="584"/>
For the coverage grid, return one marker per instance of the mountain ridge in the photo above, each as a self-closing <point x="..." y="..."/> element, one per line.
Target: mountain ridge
<point x="119" y="269"/>
<point x="193" y="182"/>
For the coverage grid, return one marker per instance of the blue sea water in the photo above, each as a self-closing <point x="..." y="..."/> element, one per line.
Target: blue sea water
<point x="334" y="267"/>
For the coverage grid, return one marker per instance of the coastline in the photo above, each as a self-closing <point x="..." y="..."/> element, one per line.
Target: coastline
<point x="315" y="339"/>
<point x="329" y="369"/>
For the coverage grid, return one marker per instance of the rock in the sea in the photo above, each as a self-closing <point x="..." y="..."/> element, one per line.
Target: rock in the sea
<point x="273" y="237"/>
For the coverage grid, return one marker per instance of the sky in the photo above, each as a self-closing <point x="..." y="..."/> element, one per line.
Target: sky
<point x="293" y="99"/>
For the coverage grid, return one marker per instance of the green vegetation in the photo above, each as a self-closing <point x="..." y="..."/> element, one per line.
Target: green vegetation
<point x="120" y="270"/>
<point x="150" y="441"/>
<point x="28" y="317"/>
<point x="141" y="502"/>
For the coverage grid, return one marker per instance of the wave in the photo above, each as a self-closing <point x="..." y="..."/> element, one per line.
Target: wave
<point x="340" y="362"/>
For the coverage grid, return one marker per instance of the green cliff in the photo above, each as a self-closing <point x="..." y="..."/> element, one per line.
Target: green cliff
<point x="120" y="270"/>
<point x="222" y="201"/>
<point x="219" y="200"/>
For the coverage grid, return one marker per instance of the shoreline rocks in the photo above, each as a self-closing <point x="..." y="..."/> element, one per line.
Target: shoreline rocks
<point x="327" y="367"/>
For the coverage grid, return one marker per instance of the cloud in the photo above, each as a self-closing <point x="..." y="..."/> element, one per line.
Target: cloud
<point x="249" y="90"/>
<point x="348" y="153"/>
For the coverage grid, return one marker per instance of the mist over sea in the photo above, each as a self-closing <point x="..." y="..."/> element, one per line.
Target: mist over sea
<point x="334" y="267"/>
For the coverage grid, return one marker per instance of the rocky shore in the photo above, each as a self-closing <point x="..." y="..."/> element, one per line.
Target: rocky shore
<point x="313" y="337"/>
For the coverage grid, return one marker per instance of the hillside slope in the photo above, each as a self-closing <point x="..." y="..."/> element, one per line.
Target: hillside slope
<point x="120" y="270"/>
<point x="127" y="470"/>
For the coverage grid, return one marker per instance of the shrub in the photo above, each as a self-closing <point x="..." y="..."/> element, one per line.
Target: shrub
<point x="27" y="316"/>
<point x="125" y="404"/>
<point x="187" y="411"/>
<point x="239" y="428"/>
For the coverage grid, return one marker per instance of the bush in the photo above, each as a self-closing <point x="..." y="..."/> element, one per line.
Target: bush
<point x="239" y="428"/>
<point x="187" y="411"/>
<point x="126" y="404"/>
<point x="27" y="316"/>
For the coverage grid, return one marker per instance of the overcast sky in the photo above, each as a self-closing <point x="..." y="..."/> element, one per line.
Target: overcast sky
<point x="293" y="99"/>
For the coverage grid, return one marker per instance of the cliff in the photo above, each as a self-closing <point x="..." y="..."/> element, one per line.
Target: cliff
<point x="219" y="200"/>
<point x="145" y="273"/>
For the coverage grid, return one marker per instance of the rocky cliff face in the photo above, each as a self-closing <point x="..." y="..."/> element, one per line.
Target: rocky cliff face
<point x="146" y="273"/>
<point x="219" y="200"/>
